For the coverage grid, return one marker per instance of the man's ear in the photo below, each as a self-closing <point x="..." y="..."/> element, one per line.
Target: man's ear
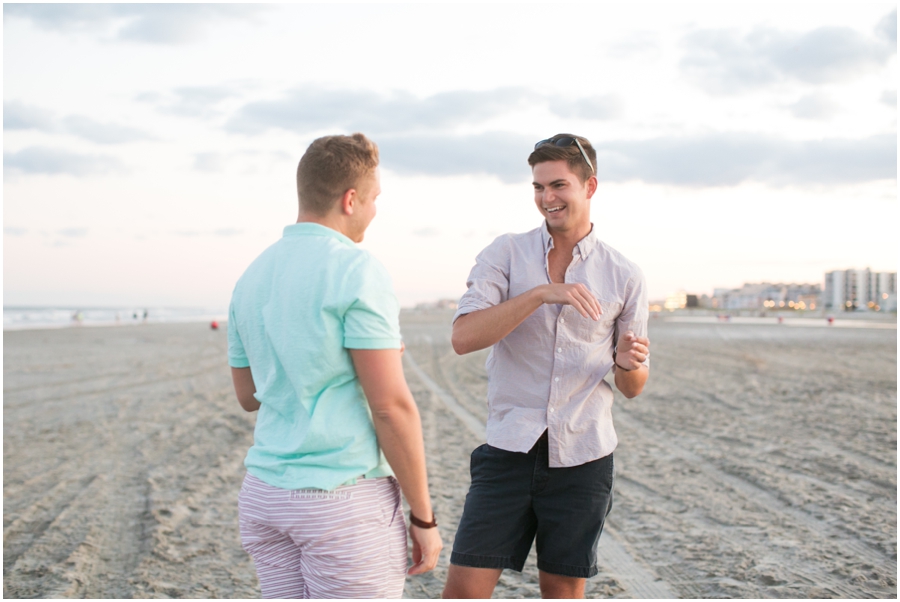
<point x="592" y="185"/>
<point x="348" y="202"/>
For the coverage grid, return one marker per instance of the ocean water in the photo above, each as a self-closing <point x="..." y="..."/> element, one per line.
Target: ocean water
<point x="21" y="318"/>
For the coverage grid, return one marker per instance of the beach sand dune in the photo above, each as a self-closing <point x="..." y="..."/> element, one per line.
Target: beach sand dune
<point x="760" y="462"/>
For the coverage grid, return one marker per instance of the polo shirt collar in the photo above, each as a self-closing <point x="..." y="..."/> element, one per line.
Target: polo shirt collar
<point x="314" y="229"/>
<point x="584" y="246"/>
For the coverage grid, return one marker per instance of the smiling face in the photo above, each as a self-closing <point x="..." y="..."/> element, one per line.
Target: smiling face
<point x="563" y="200"/>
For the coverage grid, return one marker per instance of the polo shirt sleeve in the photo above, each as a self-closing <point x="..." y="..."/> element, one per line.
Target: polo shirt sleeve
<point x="636" y="310"/>
<point x="372" y="318"/>
<point x="237" y="357"/>
<point x="488" y="282"/>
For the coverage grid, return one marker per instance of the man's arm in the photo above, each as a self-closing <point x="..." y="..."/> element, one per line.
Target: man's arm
<point x="399" y="432"/>
<point x="244" y="387"/>
<point x="629" y="371"/>
<point x="483" y="328"/>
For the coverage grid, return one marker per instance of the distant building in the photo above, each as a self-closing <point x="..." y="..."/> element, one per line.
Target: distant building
<point x="860" y="290"/>
<point x="676" y="300"/>
<point x="766" y="295"/>
<point x="681" y="300"/>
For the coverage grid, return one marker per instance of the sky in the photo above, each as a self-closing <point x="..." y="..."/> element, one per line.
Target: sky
<point x="150" y="151"/>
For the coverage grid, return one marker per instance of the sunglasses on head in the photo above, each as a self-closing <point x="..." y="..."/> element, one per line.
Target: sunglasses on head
<point x="564" y="142"/>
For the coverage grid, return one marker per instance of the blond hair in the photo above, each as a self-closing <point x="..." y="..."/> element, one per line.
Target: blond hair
<point x="331" y="166"/>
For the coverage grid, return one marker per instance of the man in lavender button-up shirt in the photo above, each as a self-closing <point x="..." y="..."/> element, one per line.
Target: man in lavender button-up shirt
<point x="560" y="309"/>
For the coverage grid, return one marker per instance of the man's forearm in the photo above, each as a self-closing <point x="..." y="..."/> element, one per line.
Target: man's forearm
<point x="399" y="432"/>
<point x="632" y="382"/>
<point x="245" y="388"/>
<point x="483" y="328"/>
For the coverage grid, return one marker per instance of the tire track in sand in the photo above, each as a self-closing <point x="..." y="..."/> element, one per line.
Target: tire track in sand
<point x="634" y="577"/>
<point x="829" y="536"/>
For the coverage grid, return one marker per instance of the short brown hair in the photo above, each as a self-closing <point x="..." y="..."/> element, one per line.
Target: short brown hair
<point x="570" y="154"/>
<point x="331" y="166"/>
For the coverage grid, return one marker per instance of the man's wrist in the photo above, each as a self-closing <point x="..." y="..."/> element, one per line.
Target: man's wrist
<point x="538" y="293"/>
<point x="616" y="364"/>
<point x="422" y="524"/>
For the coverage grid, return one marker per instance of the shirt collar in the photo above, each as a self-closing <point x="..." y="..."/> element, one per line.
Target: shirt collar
<point x="314" y="229"/>
<point x="584" y="246"/>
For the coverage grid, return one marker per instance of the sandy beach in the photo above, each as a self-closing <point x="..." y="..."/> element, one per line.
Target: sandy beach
<point x="760" y="462"/>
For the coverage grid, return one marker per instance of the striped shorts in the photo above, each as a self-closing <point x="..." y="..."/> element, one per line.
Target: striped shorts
<point x="309" y="543"/>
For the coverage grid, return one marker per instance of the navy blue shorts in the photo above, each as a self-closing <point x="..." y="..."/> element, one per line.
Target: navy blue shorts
<point x="515" y="497"/>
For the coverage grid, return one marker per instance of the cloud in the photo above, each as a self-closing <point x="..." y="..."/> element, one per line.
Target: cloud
<point x="41" y="160"/>
<point x="13" y="231"/>
<point x="730" y="159"/>
<point x="144" y="23"/>
<point x="227" y="231"/>
<point x="17" y="116"/>
<point x="222" y="232"/>
<point x="311" y="109"/>
<point x="102" y="133"/>
<point x="887" y="27"/>
<point x="639" y="44"/>
<point x="609" y="106"/>
<point x="815" y="106"/>
<point x="702" y="161"/>
<point x="497" y="154"/>
<point x="889" y="97"/>
<point x="727" y="62"/>
<point x="209" y="162"/>
<point x="73" y="232"/>
<point x="427" y="232"/>
<point x="197" y="101"/>
<point x="248" y="161"/>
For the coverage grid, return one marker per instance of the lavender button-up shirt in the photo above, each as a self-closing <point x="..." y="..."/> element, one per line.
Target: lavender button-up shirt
<point x="547" y="374"/>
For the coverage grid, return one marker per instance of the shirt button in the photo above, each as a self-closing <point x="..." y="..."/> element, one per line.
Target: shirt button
<point x="559" y="350"/>
<point x="552" y="410"/>
<point x="562" y="320"/>
<point x="556" y="379"/>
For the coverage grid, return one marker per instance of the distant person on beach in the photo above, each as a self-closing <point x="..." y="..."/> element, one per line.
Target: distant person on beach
<point x="314" y="345"/>
<point x="560" y="309"/>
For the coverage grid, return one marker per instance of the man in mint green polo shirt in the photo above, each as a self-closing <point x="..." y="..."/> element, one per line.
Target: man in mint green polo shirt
<point x="314" y="345"/>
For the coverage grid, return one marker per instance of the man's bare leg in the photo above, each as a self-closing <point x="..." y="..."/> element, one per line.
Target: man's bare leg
<point x="558" y="586"/>
<point x="470" y="582"/>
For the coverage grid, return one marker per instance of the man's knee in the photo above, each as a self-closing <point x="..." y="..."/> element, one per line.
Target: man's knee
<point x="560" y="586"/>
<point x="469" y="582"/>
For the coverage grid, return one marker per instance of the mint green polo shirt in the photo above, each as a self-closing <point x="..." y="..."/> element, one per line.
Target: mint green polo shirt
<point x="294" y="314"/>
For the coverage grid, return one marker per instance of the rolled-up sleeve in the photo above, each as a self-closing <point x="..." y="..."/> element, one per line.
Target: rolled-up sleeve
<point x="488" y="282"/>
<point x="636" y="310"/>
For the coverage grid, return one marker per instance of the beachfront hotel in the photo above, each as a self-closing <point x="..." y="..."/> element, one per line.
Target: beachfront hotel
<point x="860" y="290"/>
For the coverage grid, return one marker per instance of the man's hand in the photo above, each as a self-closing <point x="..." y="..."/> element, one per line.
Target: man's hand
<point x="631" y="351"/>
<point x="427" y="546"/>
<point x="577" y="295"/>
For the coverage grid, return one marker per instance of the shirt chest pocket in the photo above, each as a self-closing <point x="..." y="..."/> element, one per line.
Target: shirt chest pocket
<point x="599" y="331"/>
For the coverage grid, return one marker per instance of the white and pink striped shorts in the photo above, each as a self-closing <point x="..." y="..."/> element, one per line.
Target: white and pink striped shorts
<point x="309" y="543"/>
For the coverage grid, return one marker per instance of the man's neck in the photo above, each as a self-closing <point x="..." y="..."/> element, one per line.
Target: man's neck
<point x="329" y="221"/>
<point x="567" y="239"/>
